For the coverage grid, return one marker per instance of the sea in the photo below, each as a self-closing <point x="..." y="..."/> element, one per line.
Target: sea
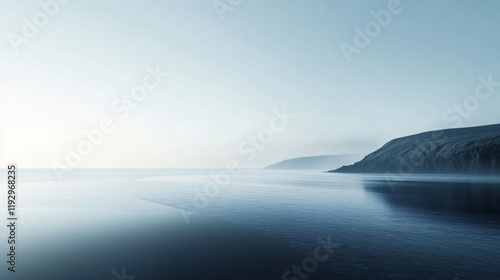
<point x="140" y="224"/>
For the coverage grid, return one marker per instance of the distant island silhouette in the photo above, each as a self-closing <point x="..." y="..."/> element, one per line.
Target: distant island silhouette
<point x="316" y="162"/>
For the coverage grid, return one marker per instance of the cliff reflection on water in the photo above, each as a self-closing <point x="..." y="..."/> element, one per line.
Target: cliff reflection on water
<point x="475" y="195"/>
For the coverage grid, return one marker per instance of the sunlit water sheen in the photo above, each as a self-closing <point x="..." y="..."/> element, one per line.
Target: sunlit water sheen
<point x="95" y="221"/>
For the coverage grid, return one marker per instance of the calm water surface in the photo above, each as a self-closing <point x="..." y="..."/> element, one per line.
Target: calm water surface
<point x="175" y="224"/>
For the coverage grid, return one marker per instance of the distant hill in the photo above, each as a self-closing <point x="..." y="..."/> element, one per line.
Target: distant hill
<point x="316" y="162"/>
<point x="473" y="150"/>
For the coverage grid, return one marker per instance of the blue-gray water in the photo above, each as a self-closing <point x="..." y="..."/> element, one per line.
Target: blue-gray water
<point x="256" y="227"/>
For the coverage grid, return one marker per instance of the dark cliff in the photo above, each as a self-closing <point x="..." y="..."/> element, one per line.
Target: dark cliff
<point x="473" y="150"/>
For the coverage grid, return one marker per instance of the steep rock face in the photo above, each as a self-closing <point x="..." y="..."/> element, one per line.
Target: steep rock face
<point x="474" y="150"/>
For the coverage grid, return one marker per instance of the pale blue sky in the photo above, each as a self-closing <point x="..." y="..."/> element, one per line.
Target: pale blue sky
<point x="228" y="76"/>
